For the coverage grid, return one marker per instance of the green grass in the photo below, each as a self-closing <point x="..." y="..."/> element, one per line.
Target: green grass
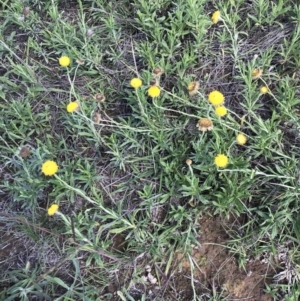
<point x="125" y="179"/>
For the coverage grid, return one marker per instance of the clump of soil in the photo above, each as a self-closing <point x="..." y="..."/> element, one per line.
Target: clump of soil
<point x="217" y="269"/>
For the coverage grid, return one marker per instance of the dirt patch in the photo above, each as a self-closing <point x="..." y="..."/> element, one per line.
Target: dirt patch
<point x="210" y="271"/>
<point x="217" y="269"/>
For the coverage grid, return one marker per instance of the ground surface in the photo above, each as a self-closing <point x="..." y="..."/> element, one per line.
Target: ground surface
<point x="170" y="196"/>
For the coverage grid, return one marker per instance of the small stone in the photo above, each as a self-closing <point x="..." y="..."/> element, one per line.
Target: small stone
<point x="148" y="268"/>
<point x="89" y="32"/>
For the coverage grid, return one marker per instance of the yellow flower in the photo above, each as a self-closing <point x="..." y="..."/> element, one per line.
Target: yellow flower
<point x="241" y="139"/>
<point x="221" y="111"/>
<point x="136" y="82"/>
<point x="256" y="73"/>
<point x="72" y="106"/>
<point x="216" y="16"/>
<point x="64" y="61"/>
<point x="264" y="90"/>
<point x="193" y="87"/>
<point x="49" y="168"/>
<point x="52" y="209"/>
<point x="154" y="91"/>
<point x="221" y="160"/>
<point x="216" y="98"/>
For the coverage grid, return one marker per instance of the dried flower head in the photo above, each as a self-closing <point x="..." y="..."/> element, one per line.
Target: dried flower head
<point x="97" y="118"/>
<point x="99" y="97"/>
<point x="193" y="88"/>
<point x="205" y="124"/>
<point x="154" y="91"/>
<point x="73" y="106"/>
<point x="188" y="162"/>
<point x="216" y="98"/>
<point x="154" y="81"/>
<point x="241" y="139"/>
<point x="26" y="11"/>
<point x="24" y="151"/>
<point x="52" y="209"/>
<point x="157" y="71"/>
<point x="64" y="61"/>
<point x="221" y="111"/>
<point x="216" y="16"/>
<point x="256" y="73"/>
<point x="136" y="82"/>
<point x="49" y="168"/>
<point x="221" y="160"/>
<point x="80" y="61"/>
<point x="264" y="90"/>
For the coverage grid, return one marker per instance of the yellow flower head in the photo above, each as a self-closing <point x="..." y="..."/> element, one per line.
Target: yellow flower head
<point x="264" y="90"/>
<point x="216" y="16"/>
<point x="153" y="91"/>
<point x="221" y="111"/>
<point x="193" y="87"/>
<point x="221" y="160"/>
<point x="205" y="124"/>
<point x="216" y="98"/>
<point x="72" y="106"/>
<point x="136" y="82"/>
<point x="64" y="61"/>
<point x="52" y="209"/>
<point x="49" y="168"/>
<point x="256" y="73"/>
<point x="241" y="139"/>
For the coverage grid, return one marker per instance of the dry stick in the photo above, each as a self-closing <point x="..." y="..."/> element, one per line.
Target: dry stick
<point x="114" y="124"/>
<point x="134" y="60"/>
<point x="73" y="229"/>
<point x="72" y="90"/>
<point x="171" y="110"/>
<point x="136" y="92"/>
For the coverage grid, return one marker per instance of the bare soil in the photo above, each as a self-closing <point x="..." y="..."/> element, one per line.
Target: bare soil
<point x="218" y="270"/>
